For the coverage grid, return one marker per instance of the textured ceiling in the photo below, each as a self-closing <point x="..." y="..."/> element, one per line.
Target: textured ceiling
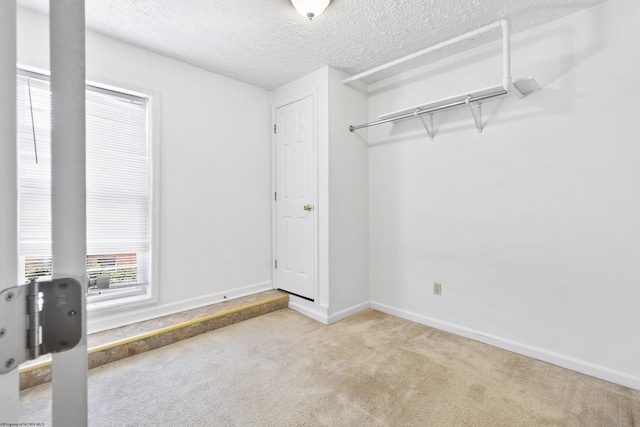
<point x="267" y="43"/>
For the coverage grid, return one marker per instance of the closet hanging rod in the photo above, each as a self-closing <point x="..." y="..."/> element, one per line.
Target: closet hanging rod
<point x="502" y="23"/>
<point x="419" y="111"/>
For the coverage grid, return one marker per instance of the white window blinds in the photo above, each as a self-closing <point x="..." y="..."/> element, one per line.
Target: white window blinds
<point x="118" y="182"/>
<point x="34" y="167"/>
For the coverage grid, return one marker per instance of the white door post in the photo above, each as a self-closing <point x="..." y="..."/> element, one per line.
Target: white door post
<point x="67" y="56"/>
<point x="9" y="383"/>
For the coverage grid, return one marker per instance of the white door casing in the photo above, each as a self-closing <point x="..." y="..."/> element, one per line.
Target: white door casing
<point x="67" y="38"/>
<point x="9" y="383"/>
<point x="68" y="197"/>
<point x="295" y="198"/>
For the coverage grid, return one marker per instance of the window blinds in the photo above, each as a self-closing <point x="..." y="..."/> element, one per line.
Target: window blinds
<point x="34" y="179"/>
<point x="118" y="180"/>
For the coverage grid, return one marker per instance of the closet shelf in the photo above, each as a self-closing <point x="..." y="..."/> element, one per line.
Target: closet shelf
<point x="472" y="99"/>
<point x="524" y="86"/>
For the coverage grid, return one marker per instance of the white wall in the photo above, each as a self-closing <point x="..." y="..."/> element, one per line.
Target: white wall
<point x="348" y="199"/>
<point x="214" y="163"/>
<point x="532" y="226"/>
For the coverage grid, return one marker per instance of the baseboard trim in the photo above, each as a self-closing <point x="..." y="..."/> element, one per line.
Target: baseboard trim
<point x="126" y="317"/>
<point x="350" y="311"/>
<point x="309" y="309"/>
<point x="567" y="362"/>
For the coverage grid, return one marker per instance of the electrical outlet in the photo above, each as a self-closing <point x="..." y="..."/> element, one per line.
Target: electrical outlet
<point x="437" y="288"/>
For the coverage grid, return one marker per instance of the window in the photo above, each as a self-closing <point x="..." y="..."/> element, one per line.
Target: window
<point x="118" y="187"/>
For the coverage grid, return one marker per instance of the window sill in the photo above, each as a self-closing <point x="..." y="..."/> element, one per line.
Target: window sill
<point x="106" y="303"/>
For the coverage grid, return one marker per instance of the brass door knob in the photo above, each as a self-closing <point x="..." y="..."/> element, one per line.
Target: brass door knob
<point x="308" y="208"/>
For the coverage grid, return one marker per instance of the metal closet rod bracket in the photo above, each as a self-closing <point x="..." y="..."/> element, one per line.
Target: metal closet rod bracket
<point x="476" y="112"/>
<point x="427" y="126"/>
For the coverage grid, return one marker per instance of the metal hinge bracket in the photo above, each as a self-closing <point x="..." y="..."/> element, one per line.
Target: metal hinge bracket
<point x="39" y="318"/>
<point x="274" y="129"/>
<point x="276" y="263"/>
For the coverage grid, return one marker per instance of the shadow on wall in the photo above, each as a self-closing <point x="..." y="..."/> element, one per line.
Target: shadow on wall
<point x="547" y="69"/>
<point x="558" y="50"/>
<point x="575" y="46"/>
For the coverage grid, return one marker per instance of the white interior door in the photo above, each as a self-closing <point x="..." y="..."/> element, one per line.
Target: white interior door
<point x="295" y="198"/>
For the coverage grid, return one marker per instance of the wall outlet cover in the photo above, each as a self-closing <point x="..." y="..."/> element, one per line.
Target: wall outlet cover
<point x="437" y="288"/>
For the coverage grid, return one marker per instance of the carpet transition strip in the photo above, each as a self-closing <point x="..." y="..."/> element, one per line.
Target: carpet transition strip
<point x="116" y="344"/>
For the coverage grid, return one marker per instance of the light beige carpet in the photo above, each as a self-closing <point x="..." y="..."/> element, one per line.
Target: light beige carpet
<point x="372" y="369"/>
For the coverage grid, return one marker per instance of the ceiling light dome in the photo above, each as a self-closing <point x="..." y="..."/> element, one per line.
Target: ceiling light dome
<point x="310" y="8"/>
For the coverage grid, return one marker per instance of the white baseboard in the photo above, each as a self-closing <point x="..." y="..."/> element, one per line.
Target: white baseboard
<point x="125" y="317"/>
<point x="343" y="314"/>
<point x="309" y="309"/>
<point x="567" y="362"/>
<point x="320" y="313"/>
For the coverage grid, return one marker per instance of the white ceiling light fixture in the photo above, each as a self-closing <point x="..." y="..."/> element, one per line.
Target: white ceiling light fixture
<point x="310" y="8"/>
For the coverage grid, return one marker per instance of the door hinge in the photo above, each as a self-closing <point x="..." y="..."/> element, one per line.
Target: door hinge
<point x="274" y="129"/>
<point x="39" y="318"/>
<point x="276" y="263"/>
<point x="275" y="196"/>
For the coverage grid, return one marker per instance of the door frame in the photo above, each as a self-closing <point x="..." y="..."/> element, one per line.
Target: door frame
<point x="69" y="369"/>
<point x="9" y="382"/>
<point x="67" y="65"/>
<point x="318" y="208"/>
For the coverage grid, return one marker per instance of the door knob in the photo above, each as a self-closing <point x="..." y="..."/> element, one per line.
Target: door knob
<point x="308" y="208"/>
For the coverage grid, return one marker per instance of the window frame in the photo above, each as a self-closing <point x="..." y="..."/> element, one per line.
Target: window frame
<point x="101" y="304"/>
